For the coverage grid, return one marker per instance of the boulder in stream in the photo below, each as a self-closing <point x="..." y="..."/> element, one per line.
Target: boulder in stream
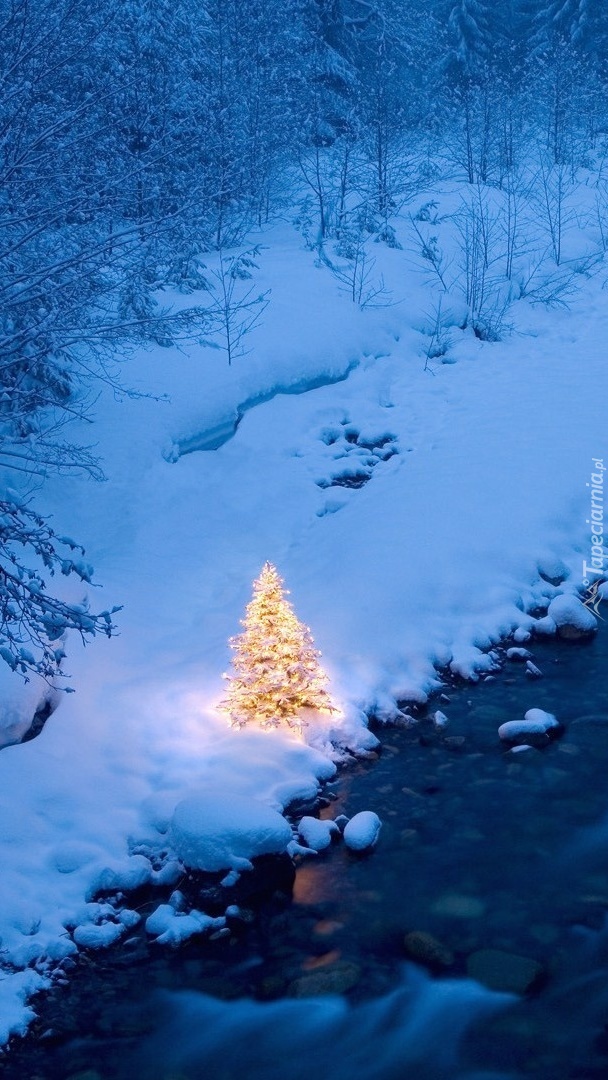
<point x="500" y="970"/>
<point x="573" y="620"/>
<point x="362" y="831"/>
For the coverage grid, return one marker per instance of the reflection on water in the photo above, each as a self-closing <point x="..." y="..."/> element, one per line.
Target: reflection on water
<point x="480" y="850"/>
<point x="309" y="886"/>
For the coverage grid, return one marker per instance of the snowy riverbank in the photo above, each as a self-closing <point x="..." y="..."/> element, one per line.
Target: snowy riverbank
<point x="444" y="547"/>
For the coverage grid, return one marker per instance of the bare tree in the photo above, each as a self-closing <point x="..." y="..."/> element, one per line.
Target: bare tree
<point x="30" y="618"/>
<point x="234" y="311"/>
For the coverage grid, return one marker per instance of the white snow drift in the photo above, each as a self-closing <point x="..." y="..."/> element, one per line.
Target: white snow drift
<point x="213" y="832"/>
<point x="431" y="562"/>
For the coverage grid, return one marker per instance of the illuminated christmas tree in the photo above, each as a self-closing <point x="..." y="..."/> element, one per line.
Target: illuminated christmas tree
<point x="276" y="665"/>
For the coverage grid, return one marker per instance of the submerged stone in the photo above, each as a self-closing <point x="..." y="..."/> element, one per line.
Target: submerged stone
<point x="336" y="979"/>
<point x="458" y="906"/>
<point x="504" y="971"/>
<point x="427" y="950"/>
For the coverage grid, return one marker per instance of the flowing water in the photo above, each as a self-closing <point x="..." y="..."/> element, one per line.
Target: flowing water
<point x="480" y="850"/>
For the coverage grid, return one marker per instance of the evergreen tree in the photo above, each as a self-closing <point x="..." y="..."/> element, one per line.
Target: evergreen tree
<point x="578" y="24"/>
<point x="565" y="19"/>
<point x="470" y="46"/>
<point x="470" y="78"/>
<point x="276" y="666"/>
<point x="387" y="99"/>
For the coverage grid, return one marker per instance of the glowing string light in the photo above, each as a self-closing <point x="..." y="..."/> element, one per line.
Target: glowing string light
<point x="275" y="663"/>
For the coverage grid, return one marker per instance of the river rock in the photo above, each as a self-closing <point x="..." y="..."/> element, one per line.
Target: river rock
<point x="537" y="727"/>
<point x="440" y="720"/>
<point x="454" y="742"/>
<point x="544" y="627"/>
<point x="362" y="831"/>
<point x="459" y="906"/>
<point x="518" y="654"/>
<point x="317" y="834"/>
<point x="427" y="950"/>
<point x="532" y="671"/>
<point x="525" y="752"/>
<point x="591" y="720"/>
<point x="503" y="971"/>
<point x="570" y="749"/>
<point x="336" y="979"/>
<point x="552" y="569"/>
<point x="221" y="830"/>
<point x="573" y="620"/>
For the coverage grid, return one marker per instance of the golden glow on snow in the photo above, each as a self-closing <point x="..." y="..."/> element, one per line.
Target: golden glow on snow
<point x="276" y="670"/>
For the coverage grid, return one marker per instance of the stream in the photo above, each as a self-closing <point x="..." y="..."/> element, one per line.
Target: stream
<point x="471" y="942"/>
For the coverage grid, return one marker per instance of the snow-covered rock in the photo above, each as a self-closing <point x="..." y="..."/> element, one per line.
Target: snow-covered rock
<point x="91" y="936"/>
<point x="552" y="569"/>
<point x="19" y="701"/>
<point x="224" y="831"/>
<point x="536" y="722"/>
<point x="15" y="989"/>
<point x="129" y="918"/>
<point x="545" y="627"/>
<point x="533" y="671"/>
<point x="518" y="654"/>
<point x="572" y="618"/>
<point x="539" y="716"/>
<point x="169" y="873"/>
<point x="317" y="834"/>
<point x="130" y="874"/>
<point x="440" y="720"/>
<point x="294" y="848"/>
<point x="362" y="831"/>
<point x="171" y="927"/>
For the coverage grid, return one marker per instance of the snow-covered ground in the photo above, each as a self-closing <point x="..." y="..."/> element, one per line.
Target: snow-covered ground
<point x="476" y="477"/>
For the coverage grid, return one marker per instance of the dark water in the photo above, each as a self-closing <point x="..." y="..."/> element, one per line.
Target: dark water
<point x="479" y="848"/>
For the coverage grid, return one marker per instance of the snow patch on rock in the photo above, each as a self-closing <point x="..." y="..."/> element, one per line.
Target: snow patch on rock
<point x="223" y="831"/>
<point x="130" y="874"/>
<point x="171" y="927"/>
<point x="317" y="834"/>
<point x="362" y="831"/>
<point x="91" y="936"/>
<point x="535" y="722"/>
<point x="518" y="654"/>
<point x="16" y="987"/>
<point x="571" y="616"/>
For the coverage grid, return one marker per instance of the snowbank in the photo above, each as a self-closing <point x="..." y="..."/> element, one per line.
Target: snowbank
<point x="218" y="830"/>
<point x="410" y="570"/>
